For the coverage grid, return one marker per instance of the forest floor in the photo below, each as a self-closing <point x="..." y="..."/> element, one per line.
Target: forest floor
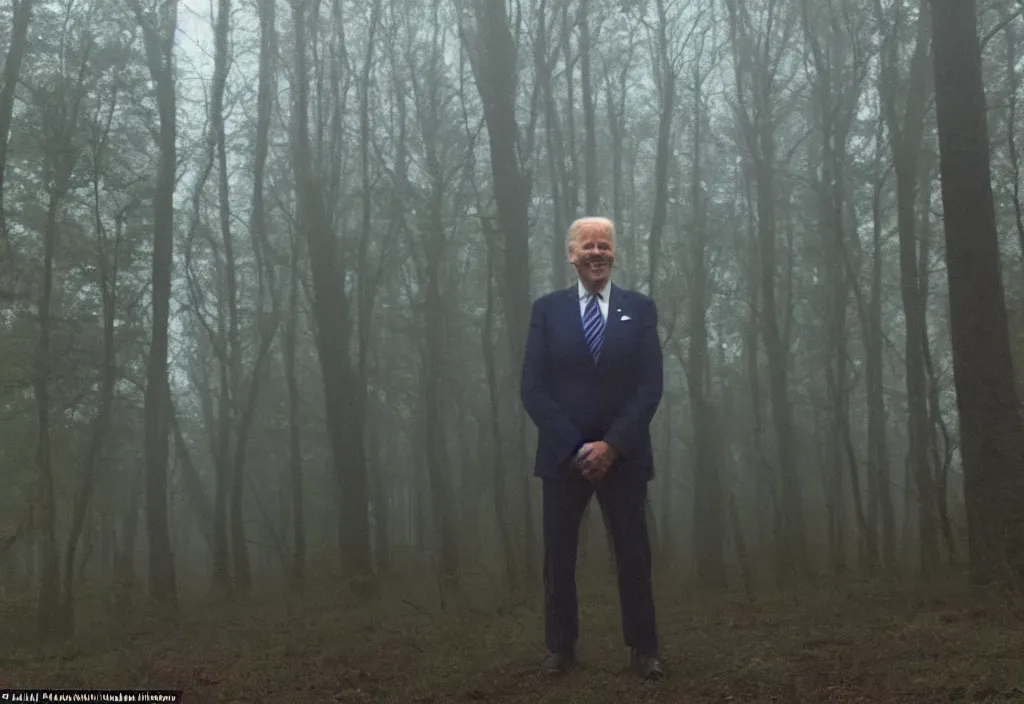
<point x="850" y="643"/>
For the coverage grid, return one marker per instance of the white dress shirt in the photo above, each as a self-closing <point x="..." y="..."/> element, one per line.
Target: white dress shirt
<point x="602" y="302"/>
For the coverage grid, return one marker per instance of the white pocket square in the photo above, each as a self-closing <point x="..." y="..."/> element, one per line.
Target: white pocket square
<point x="625" y="318"/>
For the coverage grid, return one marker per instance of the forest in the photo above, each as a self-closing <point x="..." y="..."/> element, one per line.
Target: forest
<point x="266" y="274"/>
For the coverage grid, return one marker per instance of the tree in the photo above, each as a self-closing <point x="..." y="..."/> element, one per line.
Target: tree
<point x="991" y="428"/>
<point x="906" y="135"/>
<point x="758" y="55"/>
<point x="12" y="68"/>
<point x="331" y="305"/>
<point x="158" y="29"/>
<point x="492" y="52"/>
<point x="708" y="508"/>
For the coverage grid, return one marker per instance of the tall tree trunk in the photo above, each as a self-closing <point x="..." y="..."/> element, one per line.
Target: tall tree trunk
<point x="906" y="132"/>
<point x="1013" y="98"/>
<point x="708" y="516"/>
<point x="158" y="32"/>
<point x="108" y="272"/>
<point x="330" y="311"/>
<point x="231" y="391"/>
<point x="265" y="275"/>
<point x="380" y="485"/>
<point x="193" y="482"/>
<point x="792" y="554"/>
<point x="48" y="614"/>
<point x="991" y="429"/>
<point x="298" y="512"/>
<point x="665" y="77"/>
<point x="938" y="437"/>
<point x="554" y="148"/>
<point x="493" y="60"/>
<point x="835" y="109"/>
<point x="766" y="477"/>
<point x="222" y="583"/>
<point x="439" y="472"/>
<point x="571" y="177"/>
<point x="124" y="557"/>
<point x="59" y="112"/>
<point x="499" y="489"/>
<point x="878" y="449"/>
<point x="758" y="123"/>
<point x="18" y="42"/>
<point x="592" y="197"/>
<point x="249" y="397"/>
<point x="368" y="276"/>
<point x="227" y="329"/>
<point x="616" y="106"/>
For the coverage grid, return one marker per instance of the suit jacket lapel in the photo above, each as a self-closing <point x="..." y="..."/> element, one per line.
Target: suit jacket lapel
<point x="570" y="313"/>
<point x="615" y="298"/>
<point x="613" y="326"/>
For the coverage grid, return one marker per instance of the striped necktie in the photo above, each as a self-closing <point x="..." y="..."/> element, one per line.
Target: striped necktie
<point x="593" y="327"/>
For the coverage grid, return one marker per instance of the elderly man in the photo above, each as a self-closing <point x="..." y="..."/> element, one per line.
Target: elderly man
<point x="591" y="382"/>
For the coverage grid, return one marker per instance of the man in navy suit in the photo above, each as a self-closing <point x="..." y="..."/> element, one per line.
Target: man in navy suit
<point x="591" y="382"/>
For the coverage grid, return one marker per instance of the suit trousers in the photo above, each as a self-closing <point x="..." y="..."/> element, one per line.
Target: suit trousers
<point x="623" y="498"/>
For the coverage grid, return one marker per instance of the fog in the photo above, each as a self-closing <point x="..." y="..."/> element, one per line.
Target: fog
<point x="267" y="270"/>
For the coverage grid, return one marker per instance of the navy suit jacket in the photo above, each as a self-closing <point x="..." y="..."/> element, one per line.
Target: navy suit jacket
<point x="572" y="401"/>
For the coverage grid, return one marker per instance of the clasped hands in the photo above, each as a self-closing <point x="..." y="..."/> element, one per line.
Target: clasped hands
<point x="594" y="460"/>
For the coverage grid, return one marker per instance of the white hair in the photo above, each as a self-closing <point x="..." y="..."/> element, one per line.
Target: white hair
<point x="580" y="224"/>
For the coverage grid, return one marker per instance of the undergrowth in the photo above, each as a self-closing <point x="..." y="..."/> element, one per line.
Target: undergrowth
<point x="343" y="642"/>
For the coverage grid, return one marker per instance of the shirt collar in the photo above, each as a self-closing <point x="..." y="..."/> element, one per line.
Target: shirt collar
<point x="584" y="293"/>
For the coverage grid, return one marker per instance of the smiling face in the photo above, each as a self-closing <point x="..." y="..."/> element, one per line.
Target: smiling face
<point x="592" y="251"/>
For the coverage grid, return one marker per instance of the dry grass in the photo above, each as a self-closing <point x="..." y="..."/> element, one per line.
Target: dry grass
<point x="854" y="644"/>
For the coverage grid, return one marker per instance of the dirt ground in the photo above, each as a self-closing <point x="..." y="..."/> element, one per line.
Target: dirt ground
<point x="858" y="643"/>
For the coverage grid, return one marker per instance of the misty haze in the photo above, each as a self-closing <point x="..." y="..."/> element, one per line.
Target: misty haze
<point x="323" y="322"/>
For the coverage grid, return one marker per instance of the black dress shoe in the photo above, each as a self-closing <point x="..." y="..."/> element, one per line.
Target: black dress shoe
<point x="647" y="666"/>
<point x="555" y="663"/>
